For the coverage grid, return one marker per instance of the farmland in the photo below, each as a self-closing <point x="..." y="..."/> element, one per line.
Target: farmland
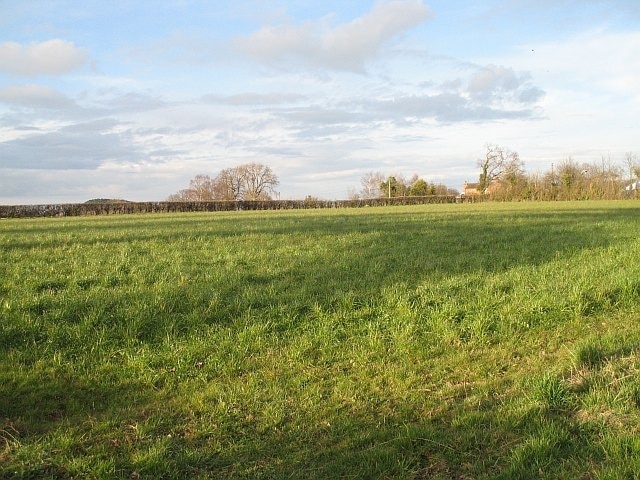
<point x="432" y="341"/>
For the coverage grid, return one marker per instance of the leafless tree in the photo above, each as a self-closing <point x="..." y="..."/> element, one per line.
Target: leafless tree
<point x="371" y="185"/>
<point x="251" y="181"/>
<point x="177" y="197"/>
<point x="258" y="181"/>
<point x="496" y="163"/>
<point x="201" y="189"/>
<point x="633" y="164"/>
<point x="352" y="194"/>
<point x="228" y="184"/>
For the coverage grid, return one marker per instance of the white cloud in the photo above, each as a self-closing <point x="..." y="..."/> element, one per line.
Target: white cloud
<point x="50" y="57"/>
<point x="358" y="40"/>
<point x="34" y="96"/>
<point x="346" y="47"/>
<point x="503" y="85"/>
<point x="494" y="78"/>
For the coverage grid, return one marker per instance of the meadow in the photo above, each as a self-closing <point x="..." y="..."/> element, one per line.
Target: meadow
<point x="466" y="341"/>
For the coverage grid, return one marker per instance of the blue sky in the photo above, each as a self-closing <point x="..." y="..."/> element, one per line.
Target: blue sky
<point x="131" y="99"/>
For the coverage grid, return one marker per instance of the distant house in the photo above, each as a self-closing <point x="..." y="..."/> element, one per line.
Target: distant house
<point x="633" y="186"/>
<point x="469" y="189"/>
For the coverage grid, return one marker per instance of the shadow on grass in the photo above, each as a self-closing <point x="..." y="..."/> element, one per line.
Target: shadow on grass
<point x="459" y="443"/>
<point x="60" y="425"/>
<point x="43" y="401"/>
<point x="365" y="254"/>
<point x="355" y="254"/>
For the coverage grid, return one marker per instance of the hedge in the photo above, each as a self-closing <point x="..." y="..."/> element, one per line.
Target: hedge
<point x="79" y="209"/>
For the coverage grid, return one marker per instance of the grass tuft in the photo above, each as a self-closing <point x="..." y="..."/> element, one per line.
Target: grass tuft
<point x="551" y="392"/>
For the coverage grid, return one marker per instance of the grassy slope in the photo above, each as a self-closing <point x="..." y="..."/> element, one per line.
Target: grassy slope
<point x="453" y="341"/>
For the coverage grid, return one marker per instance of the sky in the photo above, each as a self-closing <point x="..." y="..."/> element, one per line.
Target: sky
<point x="132" y="99"/>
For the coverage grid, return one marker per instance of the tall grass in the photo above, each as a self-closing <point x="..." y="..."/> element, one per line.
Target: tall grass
<point x="439" y="341"/>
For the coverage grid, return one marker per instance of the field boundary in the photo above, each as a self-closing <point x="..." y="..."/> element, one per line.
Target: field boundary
<point x="123" y="208"/>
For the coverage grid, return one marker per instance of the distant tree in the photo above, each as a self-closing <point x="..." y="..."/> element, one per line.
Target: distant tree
<point x="605" y="180"/>
<point x="410" y="181"/>
<point x="177" y="197"/>
<point x="201" y="189"/>
<point x="228" y="185"/>
<point x="496" y="162"/>
<point x="258" y="181"/>
<point x="352" y="194"/>
<point x="513" y="170"/>
<point x="393" y="188"/>
<point x="441" y="189"/>
<point x="420" y="188"/>
<point x="569" y="176"/>
<point x="250" y="181"/>
<point x="370" y="183"/>
<point x="513" y="181"/>
<point x="633" y="165"/>
<point x="403" y="184"/>
<point x="575" y="181"/>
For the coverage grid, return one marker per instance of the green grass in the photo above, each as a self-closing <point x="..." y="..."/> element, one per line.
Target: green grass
<point x="437" y="341"/>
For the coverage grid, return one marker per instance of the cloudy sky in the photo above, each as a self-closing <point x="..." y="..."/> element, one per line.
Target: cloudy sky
<point x="131" y="99"/>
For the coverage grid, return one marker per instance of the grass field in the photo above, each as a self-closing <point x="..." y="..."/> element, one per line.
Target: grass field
<point x="439" y="341"/>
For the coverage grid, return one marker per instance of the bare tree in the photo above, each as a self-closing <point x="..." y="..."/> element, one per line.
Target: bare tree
<point x="352" y="194"/>
<point x="496" y="163"/>
<point x="258" y="181"/>
<point x="371" y="185"/>
<point x="251" y="181"/>
<point x="228" y="185"/>
<point x="633" y="164"/>
<point x="201" y="189"/>
<point x="180" y="196"/>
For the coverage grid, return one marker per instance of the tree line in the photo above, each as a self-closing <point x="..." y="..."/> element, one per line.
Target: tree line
<point x="503" y="177"/>
<point x="378" y="185"/>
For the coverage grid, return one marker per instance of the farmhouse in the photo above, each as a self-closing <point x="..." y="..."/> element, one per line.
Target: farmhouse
<point x="470" y="189"/>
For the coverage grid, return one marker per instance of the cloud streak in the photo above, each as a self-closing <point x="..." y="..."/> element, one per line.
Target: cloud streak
<point x="490" y="93"/>
<point x="253" y="99"/>
<point x="76" y="147"/>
